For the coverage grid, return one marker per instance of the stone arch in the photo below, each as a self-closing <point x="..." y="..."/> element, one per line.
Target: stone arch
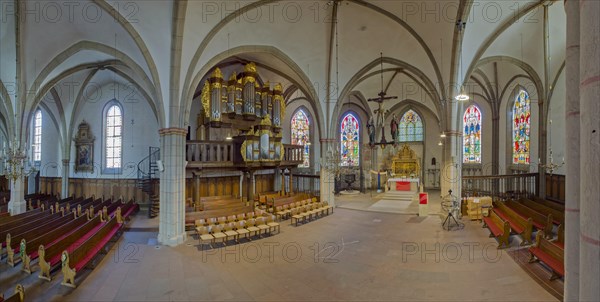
<point x="188" y="90"/>
<point x="428" y="85"/>
<point x="120" y="59"/>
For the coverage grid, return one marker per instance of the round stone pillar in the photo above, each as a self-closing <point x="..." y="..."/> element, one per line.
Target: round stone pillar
<point x="589" y="261"/>
<point x="171" y="230"/>
<point x="572" y="153"/>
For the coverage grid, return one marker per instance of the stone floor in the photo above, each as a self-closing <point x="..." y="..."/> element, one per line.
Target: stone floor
<point x="351" y="255"/>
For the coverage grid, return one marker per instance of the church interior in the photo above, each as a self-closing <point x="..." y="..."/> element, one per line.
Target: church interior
<point x="318" y="150"/>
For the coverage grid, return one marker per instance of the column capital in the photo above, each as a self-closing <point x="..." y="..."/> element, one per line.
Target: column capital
<point x="172" y="130"/>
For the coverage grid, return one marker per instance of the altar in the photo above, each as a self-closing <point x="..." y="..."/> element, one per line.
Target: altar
<point x="405" y="171"/>
<point x="403" y="184"/>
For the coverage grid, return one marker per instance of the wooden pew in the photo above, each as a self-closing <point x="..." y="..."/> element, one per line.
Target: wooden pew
<point x="550" y="204"/>
<point x="264" y="197"/>
<point x="47" y="240"/>
<point x="558" y="217"/>
<point x="80" y="254"/>
<point x="222" y="203"/>
<point x="499" y="228"/>
<point x="13" y="242"/>
<point x="6" y="221"/>
<point x="519" y="225"/>
<point x="17" y="296"/>
<point x="275" y="202"/>
<point x="540" y="221"/>
<point x="50" y="257"/>
<point x="19" y="226"/>
<point x="550" y="254"/>
<point x="560" y="241"/>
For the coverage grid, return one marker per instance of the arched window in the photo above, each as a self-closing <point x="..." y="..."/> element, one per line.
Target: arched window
<point x="349" y="141"/>
<point x="301" y="135"/>
<point x="411" y="127"/>
<point x="521" y="128"/>
<point x="113" y="138"/>
<point x="472" y="135"/>
<point x="37" y="136"/>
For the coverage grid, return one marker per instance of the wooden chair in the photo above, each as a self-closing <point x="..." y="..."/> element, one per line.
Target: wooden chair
<point x="273" y="225"/>
<point x="241" y="230"/>
<point x="229" y="230"/>
<point x="204" y="236"/>
<point x="217" y="232"/>
<point x="261" y="223"/>
<point x="251" y="227"/>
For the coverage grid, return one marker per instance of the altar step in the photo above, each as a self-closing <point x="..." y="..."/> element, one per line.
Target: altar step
<point x="399" y="195"/>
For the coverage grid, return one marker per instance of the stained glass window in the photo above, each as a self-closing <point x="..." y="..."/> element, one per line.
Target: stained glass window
<point x="349" y="140"/>
<point x="521" y="128"/>
<point x="37" y="136"/>
<point x="301" y="135"/>
<point x="114" y="135"/>
<point x="472" y="135"/>
<point x="411" y="127"/>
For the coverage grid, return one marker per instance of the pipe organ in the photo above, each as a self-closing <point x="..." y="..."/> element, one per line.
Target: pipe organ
<point x="241" y="97"/>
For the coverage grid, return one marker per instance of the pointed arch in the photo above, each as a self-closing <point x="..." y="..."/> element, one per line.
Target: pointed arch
<point x="472" y="135"/>
<point x="300" y="133"/>
<point x="410" y="127"/>
<point x="37" y="136"/>
<point x="521" y="128"/>
<point x="350" y="140"/>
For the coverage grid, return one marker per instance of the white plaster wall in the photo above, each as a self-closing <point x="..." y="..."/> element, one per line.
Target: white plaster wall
<point x="140" y="131"/>
<point x="557" y="131"/>
<point x="51" y="163"/>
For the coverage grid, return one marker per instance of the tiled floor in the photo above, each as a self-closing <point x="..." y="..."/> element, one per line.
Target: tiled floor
<point x="350" y="255"/>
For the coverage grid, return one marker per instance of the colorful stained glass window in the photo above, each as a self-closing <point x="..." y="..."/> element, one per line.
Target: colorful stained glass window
<point x="301" y="135"/>
<point x="37" y="136"/>
<point x="521" y="128"/>
<point x="349" y="140"/>
<point x="411" y="127"/>
<point x="472" y="136"/>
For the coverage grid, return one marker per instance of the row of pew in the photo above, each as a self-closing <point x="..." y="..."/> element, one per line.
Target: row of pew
<point x="523" y="218"/>
<point x="68" y="236"/>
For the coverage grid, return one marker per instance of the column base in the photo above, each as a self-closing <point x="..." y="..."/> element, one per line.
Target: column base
<point x="16" y="207"/>
<point x="164" y="239"/>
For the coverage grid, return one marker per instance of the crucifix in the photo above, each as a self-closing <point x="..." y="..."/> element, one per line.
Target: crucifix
<point x="381" y="116"/>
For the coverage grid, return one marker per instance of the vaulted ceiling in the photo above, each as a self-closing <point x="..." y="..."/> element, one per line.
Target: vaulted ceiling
<point x="325" y="49"/>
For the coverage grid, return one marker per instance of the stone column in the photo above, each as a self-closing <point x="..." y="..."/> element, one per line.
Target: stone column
<point x="291" y="180"/>
<point x="197" y="190"/>
<point x="64" y="187"/>
<point x="277" y="180"/>
<point x="589" y="90"/>
<point x="172" y="187"/>
<point x="283" y="192"/>
<point x="572" y="148"/>
<point x="17" y="203"/>
<point x="450" y="177"/>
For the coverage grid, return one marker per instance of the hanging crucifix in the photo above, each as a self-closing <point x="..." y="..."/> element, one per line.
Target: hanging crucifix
<point x="380" y="117"/>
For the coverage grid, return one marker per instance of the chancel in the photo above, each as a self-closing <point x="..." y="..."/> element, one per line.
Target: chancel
<point x="299" y="151"/>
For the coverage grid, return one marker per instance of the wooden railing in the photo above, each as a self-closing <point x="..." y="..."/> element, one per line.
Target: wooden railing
<point x="293" y="153"/>
<point x="209" y="151"/>
<point x="515" y="185"/>
<point x="306" y="183"/>
<point x="218" y="152"/>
